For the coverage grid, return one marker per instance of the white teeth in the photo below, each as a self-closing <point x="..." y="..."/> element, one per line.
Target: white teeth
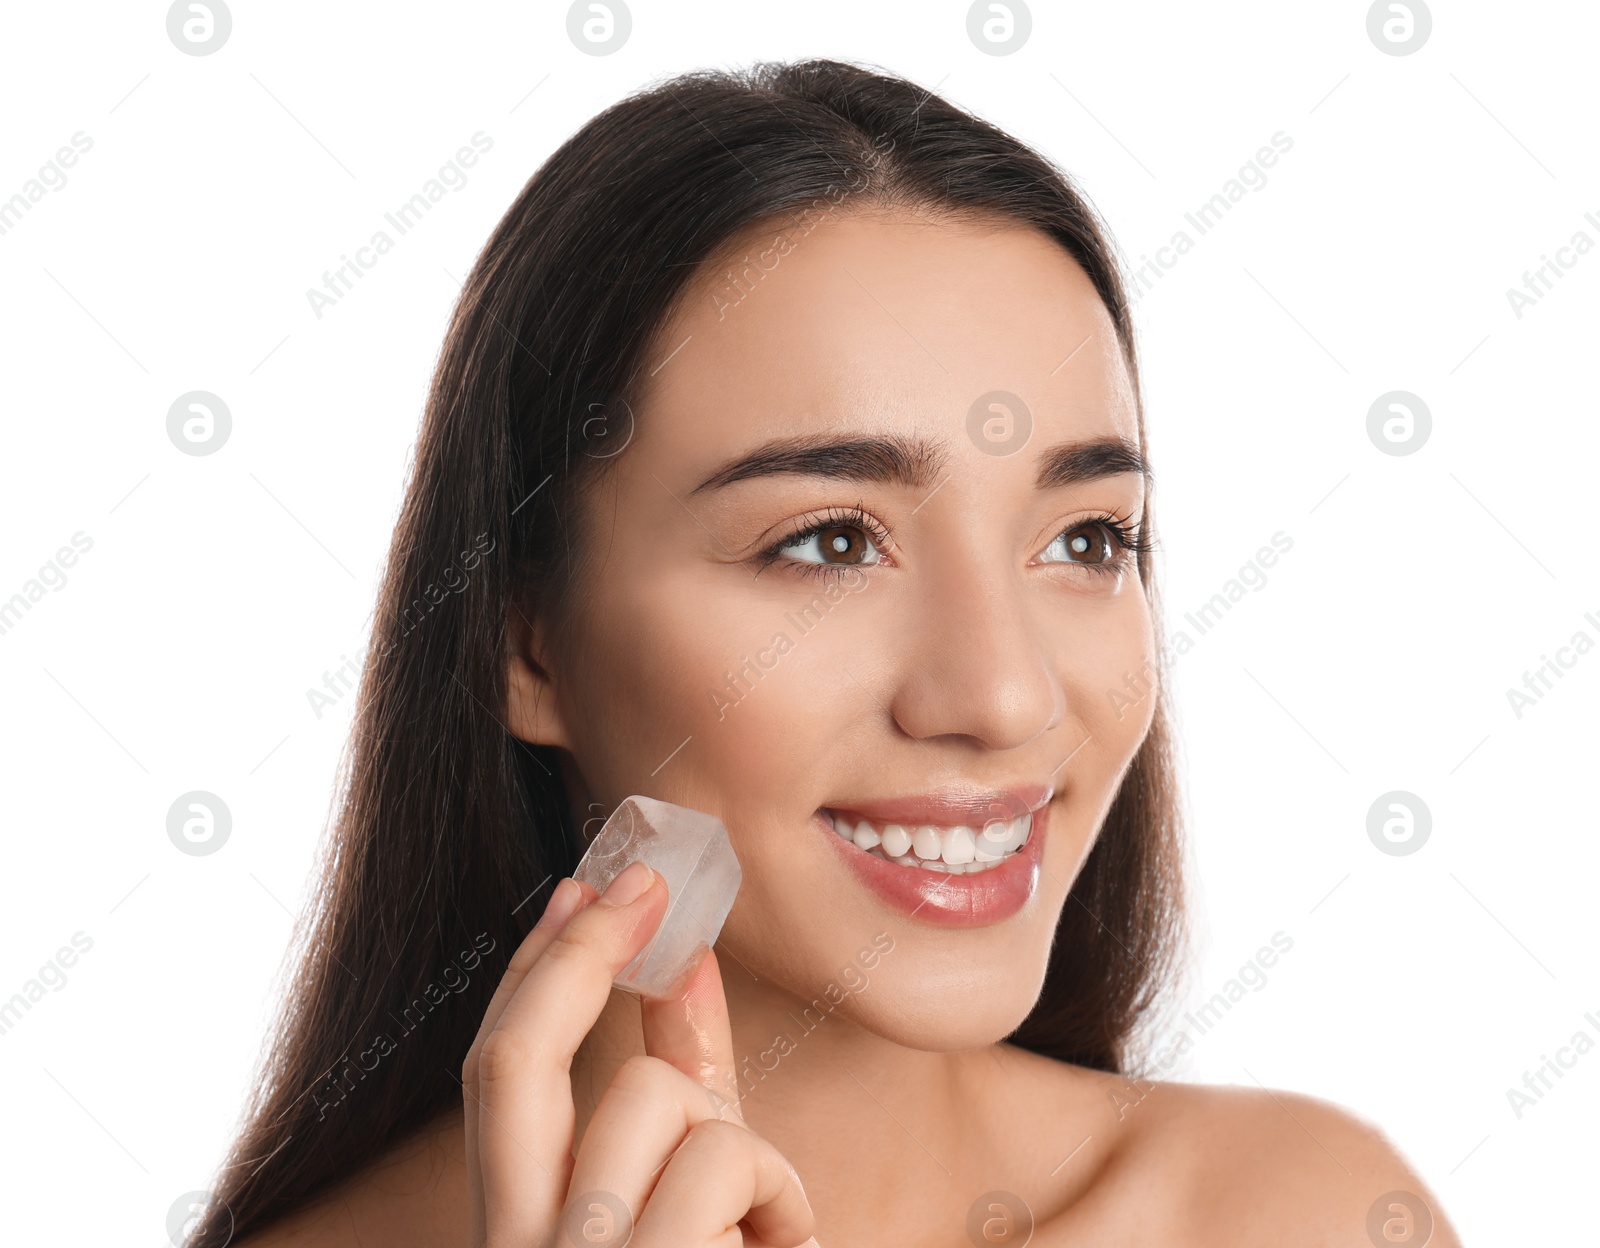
<point x="896" y="840"/>
<point x="959" y="847"/>
<point x="957" y="850"/>
<point x="926" y="842"/>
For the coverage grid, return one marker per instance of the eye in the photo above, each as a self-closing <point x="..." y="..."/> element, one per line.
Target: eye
<point x="840" y="538"/>
<point x="1103" y="544"/>
<point x="839" y="544"/>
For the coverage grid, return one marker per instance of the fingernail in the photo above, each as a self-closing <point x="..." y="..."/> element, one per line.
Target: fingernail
<point x="563" y="903"/>
<point x="629" y="885"/>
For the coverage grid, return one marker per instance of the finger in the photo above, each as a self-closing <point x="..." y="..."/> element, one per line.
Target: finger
<point x="566" y="899"/>
<point x="691" y="1031"/>
<point x="723" y="1174"/>
<point x="517" y="1073"/>
<point x="520" y="1074"/>
<point x="637" y="1125"/>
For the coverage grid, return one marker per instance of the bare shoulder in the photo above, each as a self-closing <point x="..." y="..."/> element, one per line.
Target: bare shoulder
<point x="413" y="1196"/>
<point x="1257" y="1165"/>
<point x="1116" y="1158"/>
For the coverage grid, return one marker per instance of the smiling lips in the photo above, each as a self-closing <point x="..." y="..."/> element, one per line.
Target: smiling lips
<point x="959" y="858"/>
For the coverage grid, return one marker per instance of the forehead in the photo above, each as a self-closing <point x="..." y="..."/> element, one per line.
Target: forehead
<point x="884" y="322"/>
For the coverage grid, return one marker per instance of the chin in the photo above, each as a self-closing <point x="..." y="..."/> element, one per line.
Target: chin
<point x="946" y="1012"/>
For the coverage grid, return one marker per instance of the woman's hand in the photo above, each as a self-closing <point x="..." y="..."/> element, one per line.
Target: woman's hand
<point x="666" y="1160"/>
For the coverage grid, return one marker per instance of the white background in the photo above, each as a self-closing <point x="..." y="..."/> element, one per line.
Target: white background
<point x="218" y="589"/>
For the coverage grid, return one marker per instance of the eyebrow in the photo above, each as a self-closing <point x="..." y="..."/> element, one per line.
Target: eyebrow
<point x="1071" y="463"/>
<point x="915" y="462"/>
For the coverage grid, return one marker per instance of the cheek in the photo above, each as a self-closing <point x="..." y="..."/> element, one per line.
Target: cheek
<point x="773" y="707"/>
<point x="1112" y="677"/>
<point x="702" y="666"/>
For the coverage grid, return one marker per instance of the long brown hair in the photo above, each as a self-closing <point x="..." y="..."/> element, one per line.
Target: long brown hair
<point x="450" y="831"/>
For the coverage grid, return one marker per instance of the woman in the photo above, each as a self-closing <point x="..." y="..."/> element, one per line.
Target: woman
<point x="785" y="460"/>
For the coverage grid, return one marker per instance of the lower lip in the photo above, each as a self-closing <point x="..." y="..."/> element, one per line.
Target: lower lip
<point x="970" y="900"/>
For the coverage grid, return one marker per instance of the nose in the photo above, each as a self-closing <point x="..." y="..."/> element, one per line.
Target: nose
<point x="975" y="666"/>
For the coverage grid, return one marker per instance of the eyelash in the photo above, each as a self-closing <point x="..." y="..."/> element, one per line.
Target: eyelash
<point x="831" y="518"/>
<point x="1126" y="535"/>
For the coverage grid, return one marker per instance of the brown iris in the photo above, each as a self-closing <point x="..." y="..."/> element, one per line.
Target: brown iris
<point x="843" y="544"/>
<point x="1081" y="543"/>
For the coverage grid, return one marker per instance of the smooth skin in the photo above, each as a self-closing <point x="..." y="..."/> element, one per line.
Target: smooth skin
<point x="974" y="647"/>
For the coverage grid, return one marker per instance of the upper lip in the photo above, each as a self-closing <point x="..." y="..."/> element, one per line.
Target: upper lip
<point x="967" y="805"/>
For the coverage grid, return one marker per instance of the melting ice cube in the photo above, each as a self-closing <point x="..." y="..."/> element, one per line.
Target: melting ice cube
<point x="690" y="850"/>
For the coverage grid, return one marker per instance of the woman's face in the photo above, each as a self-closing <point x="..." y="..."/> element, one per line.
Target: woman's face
<point x="956" y="655"/>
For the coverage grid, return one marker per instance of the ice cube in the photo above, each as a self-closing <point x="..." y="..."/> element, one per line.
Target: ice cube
<point x="690" y="850"/>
